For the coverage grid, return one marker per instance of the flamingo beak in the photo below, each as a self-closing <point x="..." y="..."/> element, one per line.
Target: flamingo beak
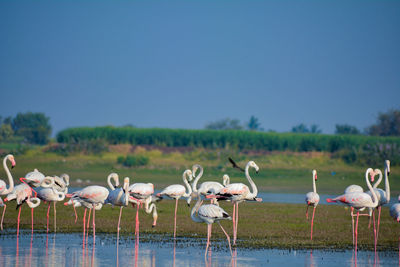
<point x="372" y="178"/>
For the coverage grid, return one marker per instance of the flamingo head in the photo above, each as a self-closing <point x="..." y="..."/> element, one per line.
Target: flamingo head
<point x="387" y="165"/>
<point x="254" y="165"/>
<point x="315" y="174"/>
<point x="11" y="158"/>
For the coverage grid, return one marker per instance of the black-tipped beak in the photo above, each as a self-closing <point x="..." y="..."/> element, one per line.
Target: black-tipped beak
<point x="256" y="171"/>
<point x="12" y="166"/>
<point x="388" y="173"/>
<point x="188" y="205"/>
<point x="153" y="226"/>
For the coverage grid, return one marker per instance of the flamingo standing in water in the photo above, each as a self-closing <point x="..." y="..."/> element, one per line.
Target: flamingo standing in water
<point x="176" y="191"/>
<point x="312" y="199"/>
<point x="209" y="187"/>
<point x="239" y="192"/>
<point x="51" y="195"/>
<point x="395" y="213"/>
<point x="3" y="187"/>
<point x="359" y="200"/>
<point x="383" y="195"/>
<point x="209" y="214"/>
<point x="94" y="195"/>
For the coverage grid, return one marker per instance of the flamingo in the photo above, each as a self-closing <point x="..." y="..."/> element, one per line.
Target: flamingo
<point x="36" y="179"/>
<point x="208" y="187"/>
<point x="139" y="192"/>
<point x="61" y="183"/>
<point x="239" y="192"/>
<point x="119" y="197"/>
<point x="93" y="194"/>
<point x="359" y="200"/>
<point x="51" y="195"/>
<point x="383" y="195"/>
<point x="176" y="191"/>
<point x="312" y="199"/>
<point x="3" y="187"/>
<point x="209" y="214"/>
<point x="395" y="213"/>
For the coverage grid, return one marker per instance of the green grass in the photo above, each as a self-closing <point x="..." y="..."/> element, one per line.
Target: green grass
<point x="261" y="225"/>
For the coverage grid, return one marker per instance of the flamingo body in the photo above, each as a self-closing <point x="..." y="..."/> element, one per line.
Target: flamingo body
<point x="141" y="190"/>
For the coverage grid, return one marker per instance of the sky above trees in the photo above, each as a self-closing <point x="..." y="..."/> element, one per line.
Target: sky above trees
<point x="183" y="64"/>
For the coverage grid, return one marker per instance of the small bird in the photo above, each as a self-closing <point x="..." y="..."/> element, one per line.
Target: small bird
<point x="312" y="199"/>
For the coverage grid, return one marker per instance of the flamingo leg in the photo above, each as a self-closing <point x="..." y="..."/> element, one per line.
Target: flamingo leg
<point x="19" y="216"/>
<point x="208" y="238"/>
<point x="370" y="219"/>
<point x="76" y="215"/>
<point x="48" y="213"/>
<point x="176" y="207"/>
<point x="356" y="231"/>
<point x="32" y="219"/>
<point x="236" y="221"/>
<point x="55" y="217"/>
<point x="137" y="220"/>
<point x="88" y="223"/>
<point x="379" y="219"/>
<point x="233" y="220"/>
<point x="2" y="216"/>
<point x="227" y="237"/>
<point x="373" y="215"/>
<point x="352" y="222"/>
<point x="307" y="212"/>
<point x="312" y="221"/>
<point x="119" y="220"/>
<point x="94" y="222"/>
<point x="84" y="226"/>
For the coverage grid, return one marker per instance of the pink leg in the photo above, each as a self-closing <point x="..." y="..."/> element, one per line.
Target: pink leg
<point x="119" y="220"/>
<point x="94" y="222"/>
<point x="176" y="207"/>
<point x="307" y="212"/>
<point x="227" y="237"/>
<point x="88" y="223"/>
<point x="32" y="219"/>
<point x="373" y="215"/>
<point x="55" y="217"/>
<point x="356" y="231"/>
<point x="48" y="213"/>
<point x="370" y="219"/>
<point x="137" y="220"/>
<point x="236" y="221"/>
<point x="19" y="215"/>
<point x="84" y="227"/>
<point x="352" y="222"/>
<point x="233" y="219"/>
<point x="312" y="222"/>
<point x="379" y="219"/>
<point x="76" y="215"/>
<point x="208" y="238"/>
<point x="2" y="216"/>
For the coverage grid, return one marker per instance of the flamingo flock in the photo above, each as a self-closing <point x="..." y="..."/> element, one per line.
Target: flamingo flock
<point x="36" y="187"/>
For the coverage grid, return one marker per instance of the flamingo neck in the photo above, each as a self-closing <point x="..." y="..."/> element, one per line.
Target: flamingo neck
<point x="252" y="184"/>
<point x="387" y="187"/>
<point x="379" y="180"/>
<point x="112" y="176"/>
<point x="374" y="197"/>
<point x="193" y="213"/>
<point x="196" y="180"/>
<point x="226" y="180"/>
<point x="33" y="202"/>
<point x="314" y="185"/>
<point x="9" y="176"/>
<point x="188" y="187"/>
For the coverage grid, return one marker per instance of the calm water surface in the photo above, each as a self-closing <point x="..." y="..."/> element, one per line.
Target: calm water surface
<point x="67" y="250"/>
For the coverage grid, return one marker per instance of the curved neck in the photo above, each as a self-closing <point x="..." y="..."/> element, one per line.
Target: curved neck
<point x="60" y="195"/>
<point x="374" y="198"/>
<point x="196" y="180"/>
<point x="387" y="187"/>
<point x="253" y="185"/>
<point x="33" y="202"/>
<point x="193" y="213"/>
<point x="314" y="186"/>
<point x="9" y="176"/>
<point x="116" y="180"/>
<point x="188" y="187"/>
<point x="376" y="184"/>
<point x="226" y="180"/>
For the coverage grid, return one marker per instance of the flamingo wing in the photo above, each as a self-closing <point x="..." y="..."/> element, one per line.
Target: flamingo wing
<point x="174" y="191"/>
<point x="210" y="213"/>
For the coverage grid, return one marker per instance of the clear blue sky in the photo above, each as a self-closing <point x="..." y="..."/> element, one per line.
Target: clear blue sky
<point x="181" y="64"/>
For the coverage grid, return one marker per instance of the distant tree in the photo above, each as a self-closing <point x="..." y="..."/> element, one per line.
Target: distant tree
<point x="34" y="127"/>
<point x="224" y="124"/>
<point x="301" y="128"/>
<point x="315" y="129"/>
<point x="6" y="132"/>
<point x="346" y="129"/>
<point x="388" y="124"/>
<point x="8" y="120"/>
<point x="253" y="124"/>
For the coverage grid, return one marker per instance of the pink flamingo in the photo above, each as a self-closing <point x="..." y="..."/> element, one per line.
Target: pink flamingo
<point x="239" y="192"/>
<point x="94" y="195"/>
<point x="209" y="214"/>
<point x="383" y="195"/>
<point x="176" y="191"/>
<point x="3" y="186"/>
<point x="139" y="192"/>
<point x="395" y="213"/>
<point x="209" y="187"/>
<point x="359" y="200"/>
<point x="312" y="199"/>
<point x="51" y="195"/>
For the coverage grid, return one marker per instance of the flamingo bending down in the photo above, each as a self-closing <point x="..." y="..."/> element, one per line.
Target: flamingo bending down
<point x="139" y="192"/>
<point x="312" y="199"/>
<point x="395" y="213"/>
<point x="119" y="197"/>
<point x="209" y="214"/>
<point x="208" y="187"/>
<point x="359" y="200"/>
<point x="237" y="193"/>
<point x="94" y="195"/>
<point x="51" y="195"/>
<point x="383" y="195"/>
<point x="3" y="187"/>
<point x="176" y="191"/>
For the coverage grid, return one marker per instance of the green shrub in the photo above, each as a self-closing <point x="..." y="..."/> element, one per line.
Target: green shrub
<point x="133" y="161"/>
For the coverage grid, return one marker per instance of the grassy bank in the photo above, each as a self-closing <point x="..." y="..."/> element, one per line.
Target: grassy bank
<point x="261" y="225"/>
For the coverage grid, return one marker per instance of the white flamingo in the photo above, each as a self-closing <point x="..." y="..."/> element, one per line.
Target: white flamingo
<point x="395" y="213"/>
<point x="176" y="191"/>
<point x="50" y="195"/>
<point x="209" y="214"/>
<point x="312" y="199"/>
<point x="209" y="187"/>
<point x="359" y="200"/>
<point x="239" y="192"/>
<point x="3" y="187"/>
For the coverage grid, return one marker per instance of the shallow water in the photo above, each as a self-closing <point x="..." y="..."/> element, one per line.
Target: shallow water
<point x="67" y="250"/>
